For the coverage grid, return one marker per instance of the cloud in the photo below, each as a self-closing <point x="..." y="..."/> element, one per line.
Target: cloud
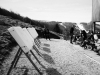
<point x="15" y="0"/>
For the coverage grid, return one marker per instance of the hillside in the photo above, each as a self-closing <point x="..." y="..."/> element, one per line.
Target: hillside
<point x="7" y="42"/>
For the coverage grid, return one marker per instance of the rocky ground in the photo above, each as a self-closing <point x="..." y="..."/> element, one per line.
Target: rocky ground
<point x="61" y="58"/>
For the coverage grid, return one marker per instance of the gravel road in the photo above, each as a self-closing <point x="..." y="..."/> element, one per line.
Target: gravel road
<point x="61" y="58"/>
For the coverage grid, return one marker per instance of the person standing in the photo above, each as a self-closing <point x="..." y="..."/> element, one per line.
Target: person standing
<point x="84" y="37"/>
<point x="91" y="37"/>
<point x="47" y="34"/>
<point x="44" y="32"/>
<point x="71" y="34"/>
<point x="91" y="40"/>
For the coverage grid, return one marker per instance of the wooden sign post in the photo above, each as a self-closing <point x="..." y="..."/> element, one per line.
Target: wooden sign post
<point x="24" y="47"/>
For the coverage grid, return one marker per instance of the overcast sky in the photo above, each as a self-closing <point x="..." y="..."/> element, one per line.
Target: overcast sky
<point x="51" y="10"/>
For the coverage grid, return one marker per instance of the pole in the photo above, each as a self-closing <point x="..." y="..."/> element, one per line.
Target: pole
<point x="13" y="62"/>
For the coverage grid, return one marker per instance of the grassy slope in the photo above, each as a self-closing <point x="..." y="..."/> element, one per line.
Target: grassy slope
<point x="6" y="41"/>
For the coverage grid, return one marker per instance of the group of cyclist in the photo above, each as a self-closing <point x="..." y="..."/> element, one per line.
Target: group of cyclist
<point x="83" y="38"/>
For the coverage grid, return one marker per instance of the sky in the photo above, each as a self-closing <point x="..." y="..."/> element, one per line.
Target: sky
<point x="51" y="10"/>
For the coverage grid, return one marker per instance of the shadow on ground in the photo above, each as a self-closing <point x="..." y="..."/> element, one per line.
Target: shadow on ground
<point x="52" y="71"/>
<point x="48" y="45"/>
<point x="48" y="58"/>
<point x="46" y="49"/>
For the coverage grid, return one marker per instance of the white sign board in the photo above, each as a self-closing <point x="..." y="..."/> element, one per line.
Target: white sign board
<point x="28" y="34"/>
<point x="20" y="37"/>
<point x="29" y="37"/>
<point x="33" y="32"/>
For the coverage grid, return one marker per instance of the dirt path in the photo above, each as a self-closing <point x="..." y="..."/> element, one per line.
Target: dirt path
<point x="61" y="58"/>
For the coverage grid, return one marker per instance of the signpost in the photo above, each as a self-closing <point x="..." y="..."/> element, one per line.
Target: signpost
<point x="25" y="43"/>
